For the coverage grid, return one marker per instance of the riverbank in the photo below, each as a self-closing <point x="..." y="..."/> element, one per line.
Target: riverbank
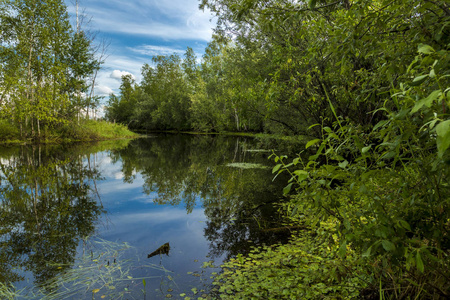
<point x="84" y="131"/>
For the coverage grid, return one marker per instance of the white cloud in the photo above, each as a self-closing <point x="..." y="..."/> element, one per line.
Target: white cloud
<point x="164" y="19"/>
<point x="152" y="50"/>
<point x="103" y="90"/>
<point x="117" y="74"/>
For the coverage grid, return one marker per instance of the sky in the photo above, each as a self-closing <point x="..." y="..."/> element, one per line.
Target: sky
<point x="137" y="30"/>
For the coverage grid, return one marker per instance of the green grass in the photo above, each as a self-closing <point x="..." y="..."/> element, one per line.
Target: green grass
<point x="71" y="131"/>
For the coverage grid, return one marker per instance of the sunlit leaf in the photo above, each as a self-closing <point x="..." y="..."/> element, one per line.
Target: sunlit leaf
<point x="425" y="49"/>
<point x="443" y="137"/>
<point x="312" y="142"/>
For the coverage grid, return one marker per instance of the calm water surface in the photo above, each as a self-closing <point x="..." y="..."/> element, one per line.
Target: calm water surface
<point x="79" y="222"/>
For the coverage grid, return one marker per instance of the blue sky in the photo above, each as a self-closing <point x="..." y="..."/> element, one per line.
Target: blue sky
<point x="136" y="30"/>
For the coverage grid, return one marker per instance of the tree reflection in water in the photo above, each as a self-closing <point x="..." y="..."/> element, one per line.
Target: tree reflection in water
<point x="185" y="169"/>
<point x="46" y="207"/>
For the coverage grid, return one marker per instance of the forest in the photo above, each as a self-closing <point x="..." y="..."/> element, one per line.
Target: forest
<point x="47" y="74"/>
<point x="367" y="83"/>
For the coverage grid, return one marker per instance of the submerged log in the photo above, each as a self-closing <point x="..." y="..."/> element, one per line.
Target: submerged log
<point x="164" y="249"/>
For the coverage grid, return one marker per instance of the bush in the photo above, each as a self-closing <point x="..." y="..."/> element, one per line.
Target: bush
<point x="8" y="131"/>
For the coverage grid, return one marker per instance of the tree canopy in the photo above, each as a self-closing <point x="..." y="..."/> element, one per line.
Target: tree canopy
<point x="46" y="68"/>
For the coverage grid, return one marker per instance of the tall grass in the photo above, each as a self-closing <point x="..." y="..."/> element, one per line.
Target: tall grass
<point x="104" y="271"/>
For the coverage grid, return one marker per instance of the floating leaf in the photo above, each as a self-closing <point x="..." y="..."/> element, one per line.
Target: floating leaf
<point x="247" y="166"/>
<point x="95" y="291"/>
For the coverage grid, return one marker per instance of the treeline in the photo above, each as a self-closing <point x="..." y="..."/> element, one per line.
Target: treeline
<point x="280" y="66"/>
<point x="370" y="80"/>
<point x="47" y="69"/>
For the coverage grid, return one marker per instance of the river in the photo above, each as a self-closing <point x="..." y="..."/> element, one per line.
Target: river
<point x="149" y="218"/>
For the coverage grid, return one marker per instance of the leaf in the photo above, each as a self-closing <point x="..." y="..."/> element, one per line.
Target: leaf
<point x="387" y="245"/>
<point x="301" y="175"/>
<point x="312" y="142"/>
<point x="287" y="188"/>
<point x="312" y="4"/>
<point x="380" y="124"/>
<point x="428" y="101"/>
<point x="366" y="149"/>
<point x="276" y="168"/>
<point x="95" y="291"/>
<point x="343" y="164"/>
<point x="342" y="249"/>
<point x="443" y="137"/>
<point x="419" y="262"/>
<point x="367" y="252"/>
<point x="418" y="80"/>
<point x="404" y="224"/>
<point x="425" y="49"/>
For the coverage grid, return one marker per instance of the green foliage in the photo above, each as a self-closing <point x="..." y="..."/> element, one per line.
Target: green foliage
<point x="8" y="131"/>
<point x="46" y="68"/>
<point x="308" y="267"/>
<point x="389" y="188"/>
<point x="90" y="130"/>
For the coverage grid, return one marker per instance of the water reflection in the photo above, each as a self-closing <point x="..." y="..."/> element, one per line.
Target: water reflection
<point x="189" y="191"/>
<point x="237" y="202"/>
<point x="46" y="208"/>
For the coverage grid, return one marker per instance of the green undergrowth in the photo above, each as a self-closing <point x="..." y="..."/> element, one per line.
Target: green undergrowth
<point x="308" y="267"/>
<point x="90" y="130"/>
<point x="73" y="131"/>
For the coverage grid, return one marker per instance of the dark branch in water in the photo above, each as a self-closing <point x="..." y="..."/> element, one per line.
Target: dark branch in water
<point x="164" y="249"/>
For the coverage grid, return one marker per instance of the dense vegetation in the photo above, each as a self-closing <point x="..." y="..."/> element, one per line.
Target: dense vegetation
<point x="47" y="73"/>
<point x="369" y="81"/>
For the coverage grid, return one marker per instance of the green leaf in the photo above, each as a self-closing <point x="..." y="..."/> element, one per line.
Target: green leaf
<point x="287" y="188"/>
<point x="443" y="137"/>
<point x="419" y="262"/>
<point x="387" y="245"/>
<point x="366" y="149"/>
<point x="428" y="101"/>
<point x="342" y="249"/>
<point x="404" y="224"/>
<point x="367" y="252"/>
<point x="276" y="168"/>
<point x="301" y="175"/>
<point x="312" y="4"/>
<point x="343" y="164"/>
<point x="425" y="49"/>
<point x="380" y="124"/>
<point x="418" y="80"/>
<point x="312" y="142"/>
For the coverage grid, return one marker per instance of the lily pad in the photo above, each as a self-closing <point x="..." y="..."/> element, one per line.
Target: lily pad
<point x="247" y="166"/>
